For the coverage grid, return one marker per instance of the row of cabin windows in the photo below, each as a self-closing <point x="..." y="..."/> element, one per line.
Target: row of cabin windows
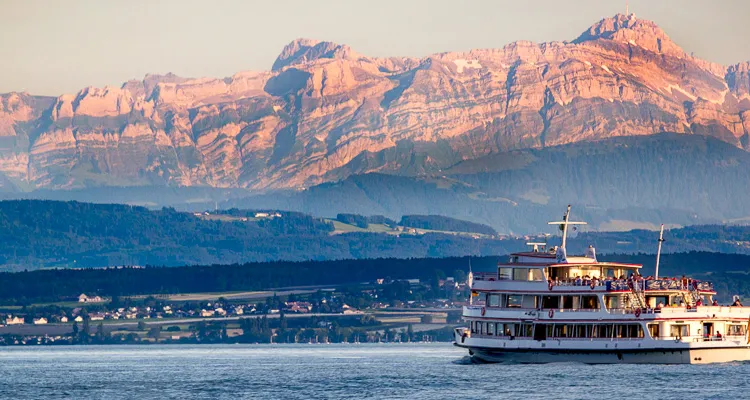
<point x="501" y="329"/>
<point x="520" y="274"/>
<point x="532" y="301"/>
<point x="683" y="330"/>
<point x="580" y="331"/>
<point x="537" y="274"/>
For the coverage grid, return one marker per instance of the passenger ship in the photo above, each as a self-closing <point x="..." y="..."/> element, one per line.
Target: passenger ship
<point x="545" y="306"/>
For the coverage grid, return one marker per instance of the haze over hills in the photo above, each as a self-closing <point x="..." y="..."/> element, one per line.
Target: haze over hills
<point x="475" y="133"/>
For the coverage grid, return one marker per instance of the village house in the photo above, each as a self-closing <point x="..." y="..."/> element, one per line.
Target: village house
<point x="96" y="316"/>
<point x="11" y="320"/>
<point x="63" y="319"/>
<point x="78" y="319"/>
<point x="86" y="299"/>
<point x="298" y="306"/>
<point x="40" y="321"/>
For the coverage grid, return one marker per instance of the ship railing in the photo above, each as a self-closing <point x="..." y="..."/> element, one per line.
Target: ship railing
<point x="631" y="310"/>
<point x="655" y="284"/>
<point x="578" y="282"/>
<point x="709" y="339"/>
<point x="486" y="276"/>
<point x="677" y="284"/>
<point x="681" y="309"/>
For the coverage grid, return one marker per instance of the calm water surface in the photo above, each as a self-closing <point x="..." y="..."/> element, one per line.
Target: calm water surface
<point x="387" y="371"/>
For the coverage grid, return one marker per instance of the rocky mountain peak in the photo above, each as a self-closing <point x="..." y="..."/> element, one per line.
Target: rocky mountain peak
<point x="302" y="50"/>
<point x="635" y="31"/>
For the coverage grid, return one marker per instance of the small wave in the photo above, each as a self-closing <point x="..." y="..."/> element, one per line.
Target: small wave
<point x="465" y="360"/>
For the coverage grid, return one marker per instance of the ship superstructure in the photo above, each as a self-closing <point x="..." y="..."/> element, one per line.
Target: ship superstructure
<point x="546" y="306"/>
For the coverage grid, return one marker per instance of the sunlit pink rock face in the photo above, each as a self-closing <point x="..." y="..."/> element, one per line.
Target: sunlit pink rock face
<point x="324" y="112"/>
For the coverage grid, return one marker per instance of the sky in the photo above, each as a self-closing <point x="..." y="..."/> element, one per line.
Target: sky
<point x="56" y="47"/>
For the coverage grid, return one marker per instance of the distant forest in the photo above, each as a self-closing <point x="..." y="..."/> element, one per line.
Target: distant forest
<point x="727" y="271"/>
<point x="43" y="234"/>
<point x="50" y="234"/>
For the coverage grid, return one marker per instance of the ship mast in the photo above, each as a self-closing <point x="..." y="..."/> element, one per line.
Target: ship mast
<point x="564" y="223"/>
<point x="658" y="251"/>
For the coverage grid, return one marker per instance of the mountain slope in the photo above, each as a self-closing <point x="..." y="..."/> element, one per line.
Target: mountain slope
<point x="614" y="184"/>
<point x="325" y="112"/>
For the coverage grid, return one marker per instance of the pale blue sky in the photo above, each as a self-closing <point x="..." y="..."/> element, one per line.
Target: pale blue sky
<point x="54" y="47"/>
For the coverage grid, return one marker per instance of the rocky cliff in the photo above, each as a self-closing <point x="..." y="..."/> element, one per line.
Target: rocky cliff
<point x="325" y="112"/>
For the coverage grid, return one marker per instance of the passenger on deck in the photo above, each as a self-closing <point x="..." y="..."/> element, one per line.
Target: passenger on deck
<point x="699" y="303"/>
<point x="737" y="303"/>
<point x="718" y="335"/>
<point x="715" y="303"/>
<point x="659" y="306"/>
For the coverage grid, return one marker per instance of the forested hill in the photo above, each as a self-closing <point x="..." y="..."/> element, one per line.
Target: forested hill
<point x="41" y="234"/>
<point x="44" y="234"/>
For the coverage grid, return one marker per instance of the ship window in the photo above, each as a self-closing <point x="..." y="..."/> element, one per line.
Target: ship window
<point x="536" y="275"/>
<point x="529" y="301"/>
<point x="612" y="302"/>
<point x="736" y="330"/>
<point x="524" y="330"/>
<point x="520" y="274"/>
<point x="490" y="328"/>
<point x="479" y="327"/>
<point x="679" y="330"/>
<point x="590" y="302"/>
<point x="494" y="300"/>
<point x="635" y="331"/>
<point x="550" y="302"/>
<point x="653" y="330"/>
<point x="581" y="331"/>
<point x="567" y="302"/>
<point x="561" y="331"/>
<point x="504" y="273"/>
<point x="618" y="331"/>
<point x="509" y="329"/>
<point x="515" y="300"/>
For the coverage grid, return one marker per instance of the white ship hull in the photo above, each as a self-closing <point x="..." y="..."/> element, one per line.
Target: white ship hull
<point x="626" y="353"/>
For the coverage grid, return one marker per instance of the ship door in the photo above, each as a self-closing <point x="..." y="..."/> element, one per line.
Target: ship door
<point x="708" y="329"/>
<point x="540" y="332"/>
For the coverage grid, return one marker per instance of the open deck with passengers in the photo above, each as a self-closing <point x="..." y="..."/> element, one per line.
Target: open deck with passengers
<point x="543" y="305"/>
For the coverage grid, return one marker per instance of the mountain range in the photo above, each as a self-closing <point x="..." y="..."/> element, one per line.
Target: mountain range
<point x="620" y="121"/>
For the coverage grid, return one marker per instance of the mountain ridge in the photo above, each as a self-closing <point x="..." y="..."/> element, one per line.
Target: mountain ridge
<point x="323" y="106"/>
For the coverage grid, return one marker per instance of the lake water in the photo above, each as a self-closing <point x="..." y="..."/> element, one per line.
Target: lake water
<point x="387" y="371"/>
